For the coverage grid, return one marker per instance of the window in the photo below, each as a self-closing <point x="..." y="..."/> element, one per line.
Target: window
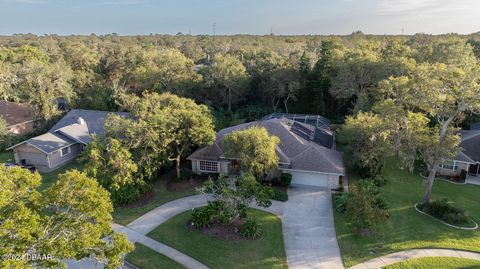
<point x="65" y="151"/>
<point x="452" y="165"/>
<point x="206" y="166"/>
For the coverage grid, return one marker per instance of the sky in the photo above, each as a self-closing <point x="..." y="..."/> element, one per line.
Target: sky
<point x="287" y="17"/>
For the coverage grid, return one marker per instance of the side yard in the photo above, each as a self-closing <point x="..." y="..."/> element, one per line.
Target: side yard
<point x="165" y="189"/>
<point x="406" y="228"/>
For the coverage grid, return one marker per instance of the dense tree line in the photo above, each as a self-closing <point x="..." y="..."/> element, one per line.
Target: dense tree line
<point x="239" y="77"/>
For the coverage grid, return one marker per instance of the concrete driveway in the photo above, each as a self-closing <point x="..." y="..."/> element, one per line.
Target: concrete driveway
<point x="308" y="229"/>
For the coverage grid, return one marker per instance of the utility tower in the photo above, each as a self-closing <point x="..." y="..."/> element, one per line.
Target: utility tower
<point x="214" y="28"/>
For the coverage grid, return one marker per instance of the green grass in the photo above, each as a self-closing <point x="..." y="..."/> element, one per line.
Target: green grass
<point x="125" y="215"/>
<point x="407" y="228"/>
<point x="265" y="252"/>
<point x="47" y="178"/>
<point x="437" y="263"/>
<point x="6" y="156"/>
<point x="146" y="258"/>
<point x="51" y="177"/>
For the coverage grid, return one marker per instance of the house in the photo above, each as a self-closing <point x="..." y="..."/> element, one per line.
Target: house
<point x="63" y="142"/>
<point x="306" y="150"/>
<point x="20" y="117"/>
<point x="468" y="159"/>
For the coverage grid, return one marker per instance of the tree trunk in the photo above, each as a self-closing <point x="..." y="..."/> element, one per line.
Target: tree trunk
<point x="429" y="185"/>
<point x="229" y="101"/>
<point x="177" y="161"/>
<point x="433" y="168"/>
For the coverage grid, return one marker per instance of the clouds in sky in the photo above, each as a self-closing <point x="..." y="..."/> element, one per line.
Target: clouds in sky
<point x="239" y="16"/>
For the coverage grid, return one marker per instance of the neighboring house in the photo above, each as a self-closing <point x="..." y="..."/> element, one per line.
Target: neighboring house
<point x="63" y="142"/>
<point x="20" y="117"/>
<point x="468" y="159"/>
<point x="305" y="150"/>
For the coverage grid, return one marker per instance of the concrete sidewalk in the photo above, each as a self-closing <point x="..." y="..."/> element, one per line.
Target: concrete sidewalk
<point x="415" y="253"/>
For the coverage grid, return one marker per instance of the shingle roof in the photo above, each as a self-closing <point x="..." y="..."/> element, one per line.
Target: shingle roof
<point x="50" y="142"/>
<point x="94" y="119"/>
<point x="69" y="131"/>
<point x="470" y="144"/>
<point x="77" y="132"/>
<point x="16" y="113"/>
<point x="295" y="148"/>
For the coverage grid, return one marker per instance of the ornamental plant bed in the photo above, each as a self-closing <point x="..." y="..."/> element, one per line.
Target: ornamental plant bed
<point x="453" y="179"/>
<point x="220" y="231"/>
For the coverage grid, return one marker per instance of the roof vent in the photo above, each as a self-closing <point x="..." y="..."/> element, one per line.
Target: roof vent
<point x="81" y="121"/>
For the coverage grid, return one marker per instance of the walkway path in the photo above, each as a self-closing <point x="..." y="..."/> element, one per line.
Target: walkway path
<point x="309" y="231"/>
<point x="415" y="253"/>
<point x="307" y="221"/>
<point x="172" y="253"/>
<point x="473" y="180"/>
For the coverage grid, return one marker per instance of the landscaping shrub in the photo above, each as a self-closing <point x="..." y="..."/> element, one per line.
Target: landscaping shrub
<point x="463" y="175"/>
<point x="286" y="179"/>
<point x="379" y="180"/>
<point x="341" y="201"/>
<point x="201" y="217"/>
<point x="279" y="195"/>
<point x="125" y="195"/>
<point x="185" y="173"/>
<point x="441" y="209"/>
<point x="251" y="229"/>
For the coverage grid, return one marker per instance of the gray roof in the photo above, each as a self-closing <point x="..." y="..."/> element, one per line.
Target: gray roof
<point x="50" y="142"/>
<point x="94" y="119"/>
<point x="295" y="149"/>
<point x="70" y="130"/>
<point x="470" y="144"/>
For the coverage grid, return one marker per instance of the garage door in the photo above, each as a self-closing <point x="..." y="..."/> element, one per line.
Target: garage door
<point x="312" y="179"/>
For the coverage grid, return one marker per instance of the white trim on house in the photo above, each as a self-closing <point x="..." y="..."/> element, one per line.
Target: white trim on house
<point x="308" y="171"/>
<point x="208" y="164"/>
<point x="69" y="150"/>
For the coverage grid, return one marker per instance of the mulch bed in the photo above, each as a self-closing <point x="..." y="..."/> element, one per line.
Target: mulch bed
<point x="183" y="185"/>
<point x="220" y="231"/>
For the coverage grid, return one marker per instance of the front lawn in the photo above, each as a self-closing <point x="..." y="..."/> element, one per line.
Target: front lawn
<point x="266" y="252"/>
<point x="146" y="258"/>
<point x="437" y="263"/>
<point x="160" y="194"/>
<point x="407" y="228"/>
<point x="51" y="177"/>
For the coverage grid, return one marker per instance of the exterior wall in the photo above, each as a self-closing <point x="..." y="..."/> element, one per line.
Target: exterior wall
<point x="22" y="128"/>
<point x="56" y="160"/>
<point x="31" y="155"/>
<point x="333" y="181"/>
<point x="450" y="172"/>
<point x="224" y="168"/>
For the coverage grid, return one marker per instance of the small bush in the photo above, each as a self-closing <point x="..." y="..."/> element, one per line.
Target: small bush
<point x="463" y="175"/>
<point x="441" y="209"/>
<point x="185" y="173"/>
<point x="279" y="195"/>
<point x="379" y="180"/>
<point x="341" y="201"/>
<point x="201" y="217"/>
<point x="251" y="229"/>
<point x="286" y="179"/>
